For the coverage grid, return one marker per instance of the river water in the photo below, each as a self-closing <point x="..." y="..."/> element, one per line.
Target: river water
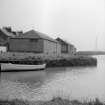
<point x="82" y="83"/>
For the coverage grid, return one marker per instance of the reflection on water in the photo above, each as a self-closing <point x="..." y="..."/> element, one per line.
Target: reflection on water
<point x="81" y="83"/>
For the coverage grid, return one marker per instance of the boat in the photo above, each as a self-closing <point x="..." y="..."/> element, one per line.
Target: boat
<point x="21" y="67"/>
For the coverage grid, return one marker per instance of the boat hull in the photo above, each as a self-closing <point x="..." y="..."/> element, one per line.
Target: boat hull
<point x="20" y="67"/>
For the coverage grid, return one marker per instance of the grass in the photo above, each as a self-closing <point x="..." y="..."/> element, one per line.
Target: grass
<point x="76" y="61"/>
<point x="54" y="101"/>
<point x="62" y="62"/>
<point x="29" y="58"/>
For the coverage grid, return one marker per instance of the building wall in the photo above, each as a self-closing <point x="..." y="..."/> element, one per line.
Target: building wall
<point x="58" y="49"/>
<point x="67" y="49"/>
<point x="45" y="47"/>
<point x="74" y="50"/>
<point x="51" y="48"/>
<point x="71" y="50"/>
<point x="64" y="48"/>
<point x="26" y="45"/>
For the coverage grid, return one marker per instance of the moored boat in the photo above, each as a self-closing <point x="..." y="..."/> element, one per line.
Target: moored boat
<point x="21" y="67"/>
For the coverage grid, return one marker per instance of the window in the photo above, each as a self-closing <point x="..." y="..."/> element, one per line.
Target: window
<point x="64" y="48"/>
<point x="33" y="40"/>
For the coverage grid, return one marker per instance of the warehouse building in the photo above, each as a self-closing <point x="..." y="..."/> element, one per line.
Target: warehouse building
<point x="66" y="47"/>
<point x="34" y="42"/>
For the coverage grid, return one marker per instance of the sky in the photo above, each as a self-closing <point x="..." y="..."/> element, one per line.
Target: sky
<point x="80" y="22"/>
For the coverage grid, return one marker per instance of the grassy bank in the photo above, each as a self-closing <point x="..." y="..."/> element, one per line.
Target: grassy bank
<point x="76" y="61"/>
<point x="50" y="61"/>
<point x="54" y="101"/>
<point x="62" y="62"/>
<point x="90" y="53"/>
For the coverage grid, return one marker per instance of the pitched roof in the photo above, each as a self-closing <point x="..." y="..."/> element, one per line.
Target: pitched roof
<point x="36" y="34"/>
<point x="66" y="42"/>
<point x="9" y="34"/>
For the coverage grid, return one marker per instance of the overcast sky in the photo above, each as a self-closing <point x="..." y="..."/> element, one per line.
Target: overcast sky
<point x="80" y="22"/>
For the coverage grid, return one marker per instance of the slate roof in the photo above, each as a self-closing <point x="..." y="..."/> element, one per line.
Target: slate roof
<point x="36" y="34"/>
<point x="9" y="34"/>
<point x="66" y="42"/>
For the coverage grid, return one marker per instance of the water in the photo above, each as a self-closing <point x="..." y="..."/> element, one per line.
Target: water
<point x="82" y="83"/>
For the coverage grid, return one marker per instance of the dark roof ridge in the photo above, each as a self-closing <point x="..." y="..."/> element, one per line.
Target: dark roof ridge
<point x="38" y="34"/>
<point x="58" y="38"/>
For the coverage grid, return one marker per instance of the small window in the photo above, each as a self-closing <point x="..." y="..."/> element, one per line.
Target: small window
<point x="33" y="40"/>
